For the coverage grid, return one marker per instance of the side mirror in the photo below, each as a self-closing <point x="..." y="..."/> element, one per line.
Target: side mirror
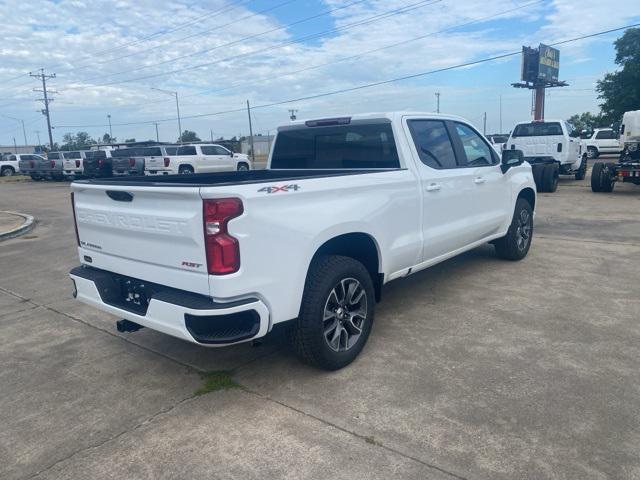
<point x="511" y="158"/>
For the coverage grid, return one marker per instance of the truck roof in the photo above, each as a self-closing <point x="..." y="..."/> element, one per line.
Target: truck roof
<point x="395" y="115"/>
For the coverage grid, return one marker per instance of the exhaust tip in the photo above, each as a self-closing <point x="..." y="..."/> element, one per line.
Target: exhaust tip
<point x="127" y="326"/>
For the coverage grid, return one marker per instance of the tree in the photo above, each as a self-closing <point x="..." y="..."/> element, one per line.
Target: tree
<point x="188" y="136"/>
<point x="83" y="139"/>
<point x="586" y="121"/>
<point x="106" y="138"/>
<point x="621" y="90"/>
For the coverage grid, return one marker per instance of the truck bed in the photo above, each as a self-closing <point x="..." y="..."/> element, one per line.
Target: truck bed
<point x="228" y="178"/>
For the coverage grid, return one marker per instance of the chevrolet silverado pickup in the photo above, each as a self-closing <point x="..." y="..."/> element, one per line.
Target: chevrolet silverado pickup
<point x="346" y="205"/>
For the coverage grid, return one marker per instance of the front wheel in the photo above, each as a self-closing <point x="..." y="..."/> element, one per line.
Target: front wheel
<point x="7" y="172"/>
<point x="243" y="167"/>
<point x="582" y="171"/>
<point x="516" y="243"/>
<point x="592" y="152"/>
<point x="336" y="314"/>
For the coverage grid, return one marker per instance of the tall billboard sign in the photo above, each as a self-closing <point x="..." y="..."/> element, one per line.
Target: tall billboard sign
<point x="540" y="64"/>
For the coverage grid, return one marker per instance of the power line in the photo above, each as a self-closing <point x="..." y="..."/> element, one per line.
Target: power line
<point x="367" y="85"/>
<point x="375" y="18"/>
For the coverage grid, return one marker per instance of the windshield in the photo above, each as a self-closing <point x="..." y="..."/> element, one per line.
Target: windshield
<point x="537" y="129"/>
<point x="342" y="146"/>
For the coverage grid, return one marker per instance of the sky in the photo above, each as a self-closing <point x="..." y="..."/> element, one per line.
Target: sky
<point x="109" y="56"/>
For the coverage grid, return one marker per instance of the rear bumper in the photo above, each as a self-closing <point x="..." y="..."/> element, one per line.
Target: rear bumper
<point x="159" y="171"/>
<point x="191" y="317"/>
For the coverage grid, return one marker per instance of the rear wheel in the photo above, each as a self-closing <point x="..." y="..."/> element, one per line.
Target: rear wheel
<point x="537" y="170"/>
<point x="336" y="314"/>
<point x="607" y="177"/>
<point x="35" y="177"/>
<point x="243" y="167"/>
<point x="516" y="243"/>
<point x="582" y="171"/>
<point x="550" y="177"/>
<point x="7" y="172"/>
<point x="592" y="152"/>
<point x="185" y="170"/>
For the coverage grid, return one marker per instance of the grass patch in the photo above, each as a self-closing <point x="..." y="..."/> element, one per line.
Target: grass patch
<point x="217" y="380"/>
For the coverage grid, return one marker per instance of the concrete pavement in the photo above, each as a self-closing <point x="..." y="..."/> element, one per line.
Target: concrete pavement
<point x="476" y="368"/>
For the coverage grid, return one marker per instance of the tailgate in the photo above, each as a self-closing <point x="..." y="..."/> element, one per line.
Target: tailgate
<point x="539" y="146"/>
<point x="121" y="164"/>
<point x="154" y="163"/>
<point x="151" y="233"/>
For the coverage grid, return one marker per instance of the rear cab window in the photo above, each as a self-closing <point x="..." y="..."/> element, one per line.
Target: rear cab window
<point x="336" y="145"/>
<point x="54" y="156"/>
<point x="537" y="129"/>
<point x="73" y="155"/>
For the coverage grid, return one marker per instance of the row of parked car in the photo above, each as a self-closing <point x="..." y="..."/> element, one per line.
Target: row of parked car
<point x="146" y="160"/>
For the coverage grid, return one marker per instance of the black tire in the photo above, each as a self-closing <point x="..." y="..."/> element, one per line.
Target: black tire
<point x="592" y="152"/>
<point x="596" y="174"/>
<point x="516" y="243"/>
<point x="185" y="170"/>
<point x="581" y="173"/>
<point x="310" y="331"/>
<point x="7" y="172"/>
<point x="36" y="178"/>
<point x="550" y="177"/>
<point x="243" y="167"/>
<point x="537" y="170"/>
<point x="607" y="177"/>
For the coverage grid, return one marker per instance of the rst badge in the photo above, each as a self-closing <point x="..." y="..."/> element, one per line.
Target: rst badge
<point x="280" y="188"/>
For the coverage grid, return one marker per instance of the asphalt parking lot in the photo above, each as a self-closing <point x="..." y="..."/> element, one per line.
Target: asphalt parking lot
<point x="476" y="368"/>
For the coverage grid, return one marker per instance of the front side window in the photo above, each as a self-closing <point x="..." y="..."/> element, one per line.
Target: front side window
<point x="336" y="146"/>
<point x="476" y="151"/>
<point x="605" y="135"/>
<point x="208" y="150"/>
<point x="433" y="144"/>
<point x="220" y="151"/>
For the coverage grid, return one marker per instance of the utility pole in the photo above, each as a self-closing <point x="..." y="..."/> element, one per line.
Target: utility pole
<point x="15" y="146"/>
<point x="175" y="94"/>
<point x="500" y="115"/>
<point x="110" y="132"/>
<point x="157" y="136"/>
<point x="292" y="114"/>
<point x="484" y="123"/>
<point x="211" y="132"/>
<point x="253" y="153"/>
<point x="437" y="102"/>
<point x="44" y="77"/>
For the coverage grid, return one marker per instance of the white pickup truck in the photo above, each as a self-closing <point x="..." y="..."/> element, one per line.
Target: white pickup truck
<point x="197" y="158"/>
<point x="552" y="149"/>
<point x="346" y="205"/>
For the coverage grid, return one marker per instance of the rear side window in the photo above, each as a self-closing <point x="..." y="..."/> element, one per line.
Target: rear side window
<point x="433" y="143"/>
<point x="54" y="156"/>
<point x="605" y="135"/>
<point x="171" y="150"/>
<point x="537" y="129"/>
<point x="187" y="150"/>
<point x="12" y="158"/>
<point x="340" y="146"/>
<point x="214" y="150"/>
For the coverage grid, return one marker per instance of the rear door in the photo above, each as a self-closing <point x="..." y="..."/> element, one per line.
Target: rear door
<point x="150" y="233"/>
<point x="447" y="188"/>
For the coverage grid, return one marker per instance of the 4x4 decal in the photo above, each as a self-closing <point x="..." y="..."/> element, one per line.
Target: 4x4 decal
<point x="280" y="188"/>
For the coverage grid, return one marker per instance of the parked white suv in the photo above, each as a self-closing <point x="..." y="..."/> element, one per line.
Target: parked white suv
<point x="73" y="164"/>
<point x="346" y="205"/>
<point x="551" y="149"/>
<point x="198" y="158"/>
<point x="9" y="164"/>
<point x="601" y="141"/>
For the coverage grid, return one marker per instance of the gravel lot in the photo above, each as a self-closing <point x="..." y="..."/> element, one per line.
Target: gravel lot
<point x="476" y="368"/>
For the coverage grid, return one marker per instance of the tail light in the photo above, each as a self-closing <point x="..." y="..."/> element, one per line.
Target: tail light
<point x="560" y="147"/>
<point x="166" y="161"/>
<point x="132" y="162"/>
<point x="75" y="222"/>
<point x="99" y="163"/>
<point x="77" y="163"/>
<point x="222" y="250"/>
<point x="53" y="164"/>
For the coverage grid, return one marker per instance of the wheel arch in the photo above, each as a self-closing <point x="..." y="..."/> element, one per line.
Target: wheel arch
<point x="529" y="195"/>
<point x="359" y="246"/>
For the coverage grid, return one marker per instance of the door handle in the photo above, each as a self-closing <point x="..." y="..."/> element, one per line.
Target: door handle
<point x="433" y="187"/>
<point x="479" y="180"/>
